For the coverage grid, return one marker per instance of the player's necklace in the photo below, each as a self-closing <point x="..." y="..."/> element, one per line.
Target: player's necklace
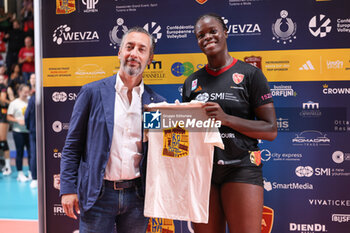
<point x="219" y="68"/>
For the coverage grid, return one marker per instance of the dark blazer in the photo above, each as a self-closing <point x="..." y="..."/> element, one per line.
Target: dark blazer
<point x="86" y="150"/>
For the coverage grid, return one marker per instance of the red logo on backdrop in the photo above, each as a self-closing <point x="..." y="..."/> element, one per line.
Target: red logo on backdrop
<point x="255" y="61"/>
<point x="237" y="78"/>
<point x="65" y="6"/>
<point x="267" y="220"/>
<point x="201" y="1"/>
<point x="255" y="157"/>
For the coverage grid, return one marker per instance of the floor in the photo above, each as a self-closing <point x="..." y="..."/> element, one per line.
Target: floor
<point x="18" y="205"/>
<point x="18" y="202"/>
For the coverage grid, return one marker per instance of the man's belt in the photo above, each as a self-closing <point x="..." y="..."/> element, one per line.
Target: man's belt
<point x="120" y="185"/>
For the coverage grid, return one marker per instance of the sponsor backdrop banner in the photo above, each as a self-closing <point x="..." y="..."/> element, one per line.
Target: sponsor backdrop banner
<point x="303" y="48"/>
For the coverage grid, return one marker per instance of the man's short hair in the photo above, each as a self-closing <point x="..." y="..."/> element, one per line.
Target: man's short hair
<point x="141" y="30"/>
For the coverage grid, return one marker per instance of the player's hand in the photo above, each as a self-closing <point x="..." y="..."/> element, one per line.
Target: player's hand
<point x="69" y="203"/>
<point x="146" y="108"/>
<point x="213" y="110"/>
<point x="21" y="122"/>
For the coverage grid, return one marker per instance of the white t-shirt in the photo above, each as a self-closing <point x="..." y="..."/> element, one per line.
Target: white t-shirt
<point x="17" y="109"/>
<point x="179" y="164"/>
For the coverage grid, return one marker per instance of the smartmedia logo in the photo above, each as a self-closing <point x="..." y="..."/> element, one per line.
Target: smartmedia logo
<point x="269" y="186"/>
<point x="316" y="227"/>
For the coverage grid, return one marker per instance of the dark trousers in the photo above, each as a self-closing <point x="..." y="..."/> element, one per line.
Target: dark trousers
<point x="32" y="142"/>
<point x="21" y="141"/>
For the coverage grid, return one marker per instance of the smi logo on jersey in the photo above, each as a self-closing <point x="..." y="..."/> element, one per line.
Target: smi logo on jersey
<point x="64" y="34"/>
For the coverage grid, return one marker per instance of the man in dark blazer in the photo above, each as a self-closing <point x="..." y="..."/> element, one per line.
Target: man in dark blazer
<point x="103" y="161"/>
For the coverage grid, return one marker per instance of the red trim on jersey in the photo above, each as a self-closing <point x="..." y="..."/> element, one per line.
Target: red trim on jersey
<point x="216" y="73"/>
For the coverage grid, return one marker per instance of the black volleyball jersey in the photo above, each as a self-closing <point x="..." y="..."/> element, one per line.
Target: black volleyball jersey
<point x="238" y="88"/>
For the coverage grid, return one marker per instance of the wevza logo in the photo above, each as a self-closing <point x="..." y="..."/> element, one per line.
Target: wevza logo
<point x="340" y="218"/>
<point x="90" y="6"/>
<point x="283" y="90"/>
<point x="311" y="138"/>
<point x="155" y="120"/>
<point x="284" y="29"/>
<point x="64" y="34"/>
<point x="63" y="96"/>
<point x="247" y="29"/>
<point x="308" y="171"/>
<point x="216" y="96"/>
<point x="269" y="186"/>
<point x="307" y="228"/>
<point x="335" y="90"/>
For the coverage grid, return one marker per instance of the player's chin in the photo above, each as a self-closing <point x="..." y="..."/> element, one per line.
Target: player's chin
<point x="210" y="51"/>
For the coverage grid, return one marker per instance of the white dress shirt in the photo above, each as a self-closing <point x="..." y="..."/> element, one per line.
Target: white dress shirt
<point x="125" y="153"/>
